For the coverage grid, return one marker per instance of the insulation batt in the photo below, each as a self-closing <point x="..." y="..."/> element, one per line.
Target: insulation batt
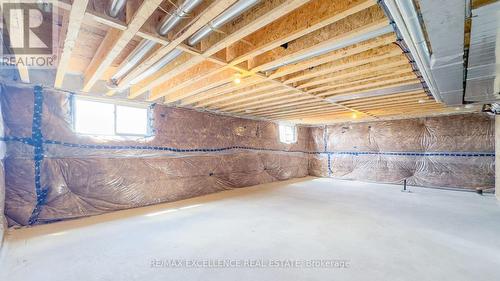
<point x="454" y="151"/>
<point x="88" y="176"/>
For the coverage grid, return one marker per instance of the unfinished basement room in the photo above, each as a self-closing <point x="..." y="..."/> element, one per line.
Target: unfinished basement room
<point x="250" y="140"/>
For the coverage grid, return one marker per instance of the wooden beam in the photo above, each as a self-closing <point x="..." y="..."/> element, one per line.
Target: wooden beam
<point x="403" y="107"/>
<point x="363" y="22"/>
<point x="410" y="99"/>
<point x="76" y="16"/>
<point x="400" y="81"/>
<point x="410" y="111"/>
<point x="307" y="113"/>
<point x="380" y="66"/>
<point x="326" y="118"/>
<point x="311" y="106"/>
<point x="248" y="85"/>
<point x="255" y="84"/>
<point x="377" y="98"/>
<point x="309" y="109"/>
<point x="367" y="78"/>
<point x="334" y="55"/>
<point x="335" y="114"/>
<point x="275" y="94"/>
<point x="377" y="54"/>
<point x="397" y="103"/>
<point x="262" y="100"/>
<point x="195" y="74"/>
<point x="260" y="17"/>
<point x="396" y="76"/>
<point x="217" y="7"/>
<point x="319" y="14"/>
<point x="114" y="42"/>
<point x="213" y="82"/>
<point x="318" y="113"/>
<point x="278" y="105"/>
<point x="306" y="19"/>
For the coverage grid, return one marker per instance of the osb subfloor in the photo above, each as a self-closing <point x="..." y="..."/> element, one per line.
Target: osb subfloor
<point x="383" y="233"/>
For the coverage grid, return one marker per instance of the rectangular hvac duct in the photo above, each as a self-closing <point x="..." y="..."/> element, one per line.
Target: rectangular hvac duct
<point x="444" y="23"/>
<point x="483" y="80"/>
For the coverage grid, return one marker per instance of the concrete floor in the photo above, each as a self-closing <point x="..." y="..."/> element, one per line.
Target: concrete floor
<point x="384" y="234"/>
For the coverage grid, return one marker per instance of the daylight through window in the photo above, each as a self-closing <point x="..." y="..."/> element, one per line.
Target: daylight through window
<point x="288" y="133"/>
<point x="108" y="119"/>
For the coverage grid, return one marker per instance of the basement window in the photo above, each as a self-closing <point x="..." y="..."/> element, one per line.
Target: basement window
<point x="92" y="117"/>
<point x="288" y="133"/>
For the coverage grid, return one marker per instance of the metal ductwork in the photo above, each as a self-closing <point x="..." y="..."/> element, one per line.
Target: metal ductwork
<point x="115" y="7"/>
<point x="228" y="15"/>
<point x="444" y="22"/>
<point x="169" y="23"/>
<point x="133" y="59"/>
<point x="483" y="79"/>
<point x="165" y="26"/>
<point x="376" y="93"/>
<point x="342" y="44"/>
<point x="443" y="68"/>
<point x="157" y="66"/>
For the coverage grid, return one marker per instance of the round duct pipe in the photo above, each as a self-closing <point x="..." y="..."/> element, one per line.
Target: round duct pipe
<point x="115" y="7"/>
<point x="146" y="46"/>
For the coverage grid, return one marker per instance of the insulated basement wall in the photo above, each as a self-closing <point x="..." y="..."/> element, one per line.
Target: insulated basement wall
<point x="3" y="222"/>
<point x="54" y="174"/>
<point x="447" y="151"/>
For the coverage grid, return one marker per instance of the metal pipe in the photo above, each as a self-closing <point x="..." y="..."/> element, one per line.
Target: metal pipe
<point x="157" y="66"/>
<point x="116" y="6"/>
<point x="229" y="14"/>
<point x="169" y="22"/>
<point x="146" y="46"/>
<point x="134" y="58"/>
<point x="336" y="46"/>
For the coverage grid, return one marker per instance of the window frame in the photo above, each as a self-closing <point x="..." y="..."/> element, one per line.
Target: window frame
<point x="295" y="132"/>
<point x="149" y="125"/>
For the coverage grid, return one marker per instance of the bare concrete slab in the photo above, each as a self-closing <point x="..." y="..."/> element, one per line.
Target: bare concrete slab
<point x="306" y="229"/>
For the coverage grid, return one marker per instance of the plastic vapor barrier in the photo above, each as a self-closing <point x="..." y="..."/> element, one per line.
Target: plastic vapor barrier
<point x="449" y="151"/>
<point x="54" y="174"/>
<point x="3" y="223"/>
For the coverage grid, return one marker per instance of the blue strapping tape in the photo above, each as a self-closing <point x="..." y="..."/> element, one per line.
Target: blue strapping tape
<point x="37" y="142"/>
<point x="219" y="149"/>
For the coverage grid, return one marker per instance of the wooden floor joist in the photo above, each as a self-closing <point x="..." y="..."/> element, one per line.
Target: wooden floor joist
<point x="357" y="71"/>
<point x="210" y="13"/>
<point x="295" y="25"/>
<point x="257" y="98"/>
<point x="75" y="20"/>
<point x="271" y="10"/>
<point x="114" y="42"/>
<point x="350" y="75"/>
<point x="334" y="55"/>
<point x="328" y="14"/>
<point x="238" y="94"/>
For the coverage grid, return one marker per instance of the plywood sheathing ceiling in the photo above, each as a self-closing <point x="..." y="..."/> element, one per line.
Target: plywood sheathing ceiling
<point x="257" y="45"/>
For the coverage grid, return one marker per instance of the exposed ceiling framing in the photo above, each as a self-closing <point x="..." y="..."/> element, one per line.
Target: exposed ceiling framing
<point x="313" y="62"/>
